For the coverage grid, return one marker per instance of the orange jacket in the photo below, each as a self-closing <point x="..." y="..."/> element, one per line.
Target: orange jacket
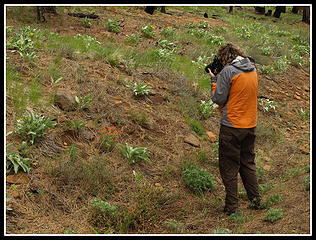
<point x="235" y="90"/>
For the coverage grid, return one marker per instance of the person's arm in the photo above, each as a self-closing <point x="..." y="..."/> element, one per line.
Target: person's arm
<point x="213" y="81"/>
<point x="220" y="86"/>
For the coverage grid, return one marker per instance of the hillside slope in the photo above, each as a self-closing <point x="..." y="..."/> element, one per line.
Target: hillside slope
<point x="69" y="169"/>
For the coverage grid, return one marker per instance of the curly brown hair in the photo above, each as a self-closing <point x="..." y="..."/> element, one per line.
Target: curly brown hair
<point x="228" y="53"/>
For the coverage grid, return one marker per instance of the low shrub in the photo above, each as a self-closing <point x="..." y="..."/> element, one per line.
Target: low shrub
<point x="272" y="215"/>
<point x="198" y="179"/>
<point x="136" y="154"/>
<point x="32" y="127"/>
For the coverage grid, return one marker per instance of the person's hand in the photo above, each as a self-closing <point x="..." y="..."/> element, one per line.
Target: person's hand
<point x="210" y="72"/>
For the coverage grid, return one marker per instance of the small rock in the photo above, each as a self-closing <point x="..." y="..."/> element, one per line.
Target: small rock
<point x="16" y="194"/>
<point x="267" y="167"/>
<point x="211" y="136"/>
<point x="297" y="97"/>
<point x="267" y="159"/>
<point x="117" y="102"/>
<point x="110" y="77"/>
<point x="86" y="134"/>
<point x="65" y="100"/>
<point x="157" y="184"/>
<point x="61" y="119"/>
<point x="18" y="178"/>
<point x="304" y="149"/>
<point x="34" y="164"/>
<point x="192" y="140"/>
<point x="90" y="124"/>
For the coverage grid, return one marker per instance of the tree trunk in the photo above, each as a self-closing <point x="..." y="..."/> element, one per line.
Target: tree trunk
<point x="278" y="11"/>
<point x="306" y="15"/>
<point x="295" y="10"/>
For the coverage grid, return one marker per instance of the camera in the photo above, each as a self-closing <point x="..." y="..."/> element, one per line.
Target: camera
<point x="215" y="66"/>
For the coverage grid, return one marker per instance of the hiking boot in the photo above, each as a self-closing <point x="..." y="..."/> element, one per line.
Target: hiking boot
<point x="229" y="212"/>
<point x="256" y="206"/>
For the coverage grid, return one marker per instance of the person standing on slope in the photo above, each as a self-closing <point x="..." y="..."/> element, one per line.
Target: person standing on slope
<point x="235" y="90"/>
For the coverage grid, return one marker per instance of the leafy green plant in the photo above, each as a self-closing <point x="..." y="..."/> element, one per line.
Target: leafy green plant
<point x="235" y="217"/>
<point x="203" y="24"/>
<point x="168" y="32"/>
<point x="104" y="207"/>
<point x="261" y="172"/>
<point x="73" y="152"/>
<point x="83" y="101"/>
<point x="136" y="154"/>
<point x="8" y="208"/>
<point x="23" y="42"/>
<point x="174" y="226"/>
<point x="197" y="179"/>
<point x="15" y="161"/>
<point x="55" y="81"/>
<point x="266" y="50"/>
<point x="244" y="32"/>
<point x="301" y="49"/>
<point x="9" y="29"/>
<point x="202" y="61"/>
<point x="267" y="69"/>
<point x="76" y="125"/>
<point x="148" y="31"/>
<point x="281" y="64"/>
<point x="198" y="33"/>
<point x="134" y="38"/>
<point x="165" y="44"/>
<point x="216" y="40"/>
<point x="86" y="42"/>
<point x="32" y="126"/>
<point x="70" y="232"/>
<point x="267" y="104"/>
<point x="196" y="126"/>
<point x="117" y="218"/>
<point x="112" y="26"/>
<point x="137" y="176"/>
<point x="139" y="118"/>
<point x="86" y="22"/>
<point x="304" y="114"/>
<point x="272" y="199"/>
<point x="264" y="187"/>
<point x="306" y="183"/>
<point x="272" y="215"/>
<point x="202" y="156"/>
<point x="243" y="193"/>
<point x="139" y="88"/>
<point x="163" y="55"/>
<point x="221" y="231"/>
<point x="220" y="30"/>
<point x="207" y="108"/>
<point x="191" y="25"/>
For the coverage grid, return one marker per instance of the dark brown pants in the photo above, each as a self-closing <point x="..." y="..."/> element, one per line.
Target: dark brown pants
<point x="236" y="155"/>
